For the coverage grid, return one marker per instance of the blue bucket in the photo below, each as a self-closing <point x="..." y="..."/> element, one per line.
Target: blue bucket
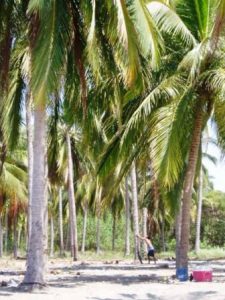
<point x="182" y="274"/>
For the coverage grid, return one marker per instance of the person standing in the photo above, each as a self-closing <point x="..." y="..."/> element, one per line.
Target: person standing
<point x="150" y="247"/>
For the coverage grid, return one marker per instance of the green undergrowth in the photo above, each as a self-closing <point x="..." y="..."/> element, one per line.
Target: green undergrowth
<point x="113" y="256"/>
<point x="212" y="253"/>
<point x="204" y="254"/>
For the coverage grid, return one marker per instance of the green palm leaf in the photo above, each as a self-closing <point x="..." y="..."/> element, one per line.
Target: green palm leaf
<point x="193" y="61"/>
<point x="149" y="35"/>
<point x="169" y="139"/>
<point x="49" y="53"/>
<point x="127" y="55"/>
<point x="219" y="112"/>
<point x="168" y="21"/>
<point x="93" y="48"/>
<point x="197" y="15"/>
<point x="168" y="89"/>
<point x="13" y="181"/>
<point x="215" y="80"/>
<point x="13" y="104"/>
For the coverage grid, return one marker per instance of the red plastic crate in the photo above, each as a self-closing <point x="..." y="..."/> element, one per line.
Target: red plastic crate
<point x="202" y="275"/>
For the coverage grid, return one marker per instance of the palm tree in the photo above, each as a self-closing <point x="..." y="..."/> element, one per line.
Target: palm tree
<point x="187" y="93"/>
<point x="57" y="33"/>
<point x="194" y="102"/>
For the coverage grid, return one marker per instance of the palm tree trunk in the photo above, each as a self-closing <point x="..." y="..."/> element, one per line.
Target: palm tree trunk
<point x="52" y="236"/>
<point x="162" y="227"/>
<point x="29" y="129"/>
<point x="6" y="231"/>
<point x="45" y="235"/>
<point x="15" y="236"/>
<point x="144" y="224"/>
<point x="19" y="235"/>
<point x="72" y="205"/>
<point x="68" y="238"/>
<point x="135" y="209"/>
<point x="127" y="208"/>
<point x="61" y="224"/>
<point x="1" y="236"/>
<point x="34" y="276"/>
<point x="178" y="233"/>
<point x="84" y="227"/>
<point x="199" y="213"/>
<point x="187" y="189"/>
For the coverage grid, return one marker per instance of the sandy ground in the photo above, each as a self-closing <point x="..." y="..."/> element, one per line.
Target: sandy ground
<point x="113" y="281"/>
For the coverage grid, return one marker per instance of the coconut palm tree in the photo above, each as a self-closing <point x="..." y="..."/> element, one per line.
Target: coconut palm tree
<point x="56" y="35"/>
<point x="197" y="94"/>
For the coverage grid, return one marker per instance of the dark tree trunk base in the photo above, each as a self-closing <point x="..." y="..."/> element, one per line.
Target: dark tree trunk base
<point x="31" y="287"/>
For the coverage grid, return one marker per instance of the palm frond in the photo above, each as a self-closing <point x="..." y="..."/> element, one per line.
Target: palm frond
<point x="210" y="157"/>
<point x="215" y="80"/>
<point x="169" y="140"/>
<point x="168" y="89"/>
<point x="194" y="59"/>
<point x="219" y="111"/>
<point x="13" y="104"/>
<point x="13" y="181"/>
<point x="149" y="35"/>
<point x="127" y="50"/>
<point x="93" y="49"/>
<point x="168" y="21"/>
<point x="49" y="52"/>
<point x="197" y="15"/>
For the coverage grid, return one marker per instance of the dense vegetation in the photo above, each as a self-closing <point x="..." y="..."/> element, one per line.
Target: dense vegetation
<point x="104" y="113"/>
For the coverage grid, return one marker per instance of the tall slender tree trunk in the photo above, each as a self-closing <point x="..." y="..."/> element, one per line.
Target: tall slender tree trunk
<point x="162" y="236"/>
<point x="85" y="213"/>
<point x="19" y="236"/>
<point x="178" y="222"/>
<point x="29" y="129"/>
<point x="1" y="236"/>
<point x="144" y="225"/>
<point x="15" y="237"/>
<point x="34" y="276"/>
<point x="162" y="227"/>
<point x="199" y="213"/>
<point x="68" y="238"/>
<point x="135" y="209"/>
<point x="127" y="208"/>
<point x="61" y="246"/>
<point x="6" y="231"/>
<point x="72" y="205"/>
<point x="52" y="236"/>
<point x="187" y="189"/>
<point x="45" y="236"/>
<point x="98" y="215"/>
